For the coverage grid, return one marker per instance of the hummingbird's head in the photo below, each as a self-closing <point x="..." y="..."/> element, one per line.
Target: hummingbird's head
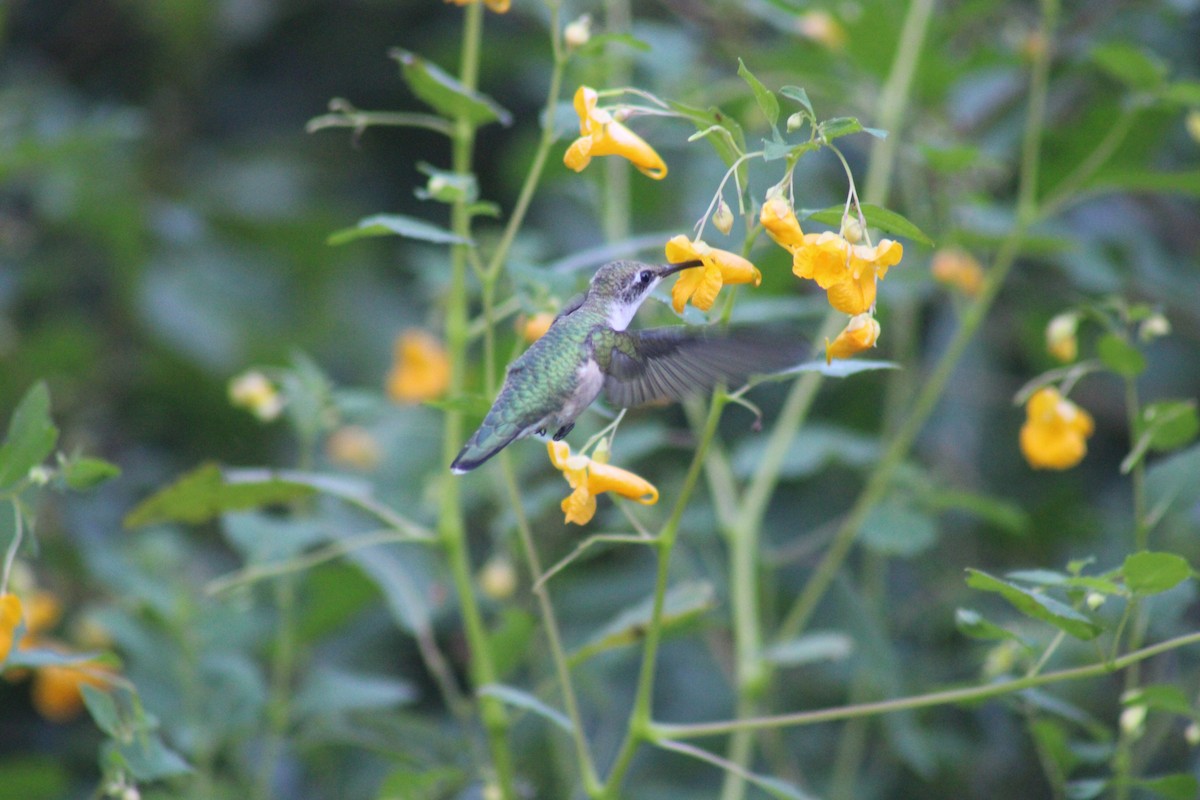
<point x="625" y="284"/>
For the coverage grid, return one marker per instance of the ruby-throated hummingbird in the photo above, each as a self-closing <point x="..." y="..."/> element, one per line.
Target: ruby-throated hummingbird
<point x="587" y="349"/>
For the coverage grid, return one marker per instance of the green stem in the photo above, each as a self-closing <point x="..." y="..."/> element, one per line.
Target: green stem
<point x="618" y="19"/>
<point x="640" y="716"/>
<point x="451" y="529"/>
<point x="282" y="670"/>
<point x="11" y="554"/>
<point x="967" y="694"/>
<point x="550" y="622"/>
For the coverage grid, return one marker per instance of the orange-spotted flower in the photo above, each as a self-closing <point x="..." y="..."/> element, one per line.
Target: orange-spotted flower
<point x="10" y="618"/>
<point x="860" y="334"/>
<point x="499" y="6"/>
<point x="700" y="286"/>
<point x="601" y="135"/>
<point x="1055" y="432"/>
<point x="420" y="368"/>
<point x="958" y="269"/>
<point x="590" y="477"/>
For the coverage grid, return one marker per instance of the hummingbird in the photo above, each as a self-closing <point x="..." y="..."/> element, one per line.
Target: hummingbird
<point x="587" y="349"/>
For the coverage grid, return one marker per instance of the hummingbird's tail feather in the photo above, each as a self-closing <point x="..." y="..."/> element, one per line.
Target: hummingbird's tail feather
<point x="478" y="449"/>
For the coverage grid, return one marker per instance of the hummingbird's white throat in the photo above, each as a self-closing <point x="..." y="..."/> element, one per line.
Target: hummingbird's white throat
<point x="621" y="313"/>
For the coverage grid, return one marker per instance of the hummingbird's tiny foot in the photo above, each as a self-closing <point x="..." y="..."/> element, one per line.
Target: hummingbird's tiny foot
<point x="561" y="433"/>
<point x="540" y="432"/>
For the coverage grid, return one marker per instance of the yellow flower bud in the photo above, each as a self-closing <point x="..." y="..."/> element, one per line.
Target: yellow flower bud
<point x="821" y="27"/>
<point x="577" y="33"/>
<point x="1133" y="721"/>
<point x="1153" y="327"/>
<point x="1192" y="123"/>
<point x="860" y="334"/>
<point x="852" y="230"/>
<point x="1191" y="734"/>
<point x="255" y="393"/>
<point x="1060" y="336"/>
<point x="498" y="578"/>
<point x="955" y="267"/>
<point x="722" y="218"/>
<point x="353" y="446"/>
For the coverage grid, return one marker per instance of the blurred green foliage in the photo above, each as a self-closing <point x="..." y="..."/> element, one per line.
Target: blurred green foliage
<point x="165" y="224"/>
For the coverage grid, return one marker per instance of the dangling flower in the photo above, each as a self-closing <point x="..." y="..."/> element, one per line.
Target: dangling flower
<point x="589" y="477"/>
<point x="10" y="618"/>
<point x="1061" y="341"/>
<point x="420" y="368"/>
<point x="780" y="222"/>
<point x="499" y="6"/>
<point x="1055" y="432"/>
<point x="700" y="285"/>
<point x="860" y="334"/>
<point x="955" y="267"/>
<point x="601" y="135"/>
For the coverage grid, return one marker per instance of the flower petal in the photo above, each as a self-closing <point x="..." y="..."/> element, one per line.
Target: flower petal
<point x="607" y="478"/>
<point x="780" y="223"/>
<point x="1055" y="432"/>
<point x="579" y="507"/>
<point x="579" y="154"/>
<point x="860" y="334"/>
<point x="854" y="295"/>
<point x="686" y="285"/>
<point x="617" y="140"/>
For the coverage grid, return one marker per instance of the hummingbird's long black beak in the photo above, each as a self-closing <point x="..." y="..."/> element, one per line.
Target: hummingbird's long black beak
<point x="671" y="269"/>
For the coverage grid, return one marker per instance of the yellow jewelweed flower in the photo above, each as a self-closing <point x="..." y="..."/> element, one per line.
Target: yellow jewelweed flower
<point x="701" y="285"/>
<point x="499" y="6"/>
<point x="1055" y="432"/>
<point x="860" y="334"/>
<point x="780" y="223"/>
<point x="822" y="28"/>
<point x="959" y="269"/>
<point x="355" y="447"/>
<point x="58" y="690"/>
<point x="420" y="368"/>
<point x="1061" y="341"/>
<point x="10" y="618"/>
<point x="534" y="327"/>
<point x="589" y="478"/>
<point x="601" y="135"/>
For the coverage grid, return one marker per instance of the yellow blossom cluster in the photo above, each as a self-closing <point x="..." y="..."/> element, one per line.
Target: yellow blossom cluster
<point x="1055" y="432"/>
<point x="589" y="477"/>
<point x="602" y="135"/>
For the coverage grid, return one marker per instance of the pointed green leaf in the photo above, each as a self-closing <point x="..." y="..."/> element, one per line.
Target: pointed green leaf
<point x="838" y="127"/>
<point x="1129" y="64"/>
<point x="1171" y="424"/>
<point x="398" y="225"/>
<point x="767" y="101"/>
<point x="1184" y="182"/>
<point x="1151" y="573"/>
<point x="730" y="142"/>
<point x="85" y="473"/>
<point x="445" y="94"/>
<point x="523" y="700"/>
<point x="147" y="758"/>
<point x="799" y="95"/>
<point x="683" y="603"/>
<point x="1182" y="93"/>
<point x="1120" y="356"/>
<point x="841" y="368"/>
<point x="973" y="624"/>
<point x="1160" y="697"/>
<point x="894" y="528"/>
<point x="329" y="690"/>
<point x="877" y="217"/>
<point x="1174" y="787"/>
<point x="31" y="437"/>
<point x="600" y="41"/>
<point x="1036" y="605"/>
<point x="203" y="494"/>
<point x="103" y="709"/>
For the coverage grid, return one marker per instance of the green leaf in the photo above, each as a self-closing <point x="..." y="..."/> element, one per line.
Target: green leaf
<point x="1151" y="573"/>
<point x="1160" y="697"/>
<point x="1003" y="514"/>
<point x="841" y="368"/>
<point x="598" y="42"/>
<point x="330" y="690"/>
<point x="1181" y="93"/>
<point x="1184" y="182"/>
<point x="877" y="217"/>
<point x="1171" y="424"/>
<point x="86" y="473"/>
<point x="1086" y="789"/>
<point x="31" y="437"/>
<point x="523" y="700"/>
<point x="1036" y="605"/>
<point x="445" y="94"/>
<point x="800" y="96"/>
<point x="204" y="493"/>
<point x="811" y="647"/>
<point x="1175" y="787"/>
<point x="1130" y="65"/>
<point x="103" y="708"/>
<point x="147" y="758"/>
<point x="975" y="625"/>
<point x="729" y="144"/>
<point x="683" y="603"/>
<point x="1120" y="356"/>
<point x="413" y="783"/>
<point x="1171" y="483"/>
<point x="398" y="225"/>
<point x="447" y="187"/>
<point x="894" y="528"/>
<point x="767" y="101"/>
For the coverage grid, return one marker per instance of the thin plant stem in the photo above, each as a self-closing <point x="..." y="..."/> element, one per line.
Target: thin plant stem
<point x="282" y="670"/>
<point x="968" y="694"/>
<point x="10" y="555"/>
<point x="451" y="529"/>
<point x="550" y="622"/>
<point x="639" y="718"/>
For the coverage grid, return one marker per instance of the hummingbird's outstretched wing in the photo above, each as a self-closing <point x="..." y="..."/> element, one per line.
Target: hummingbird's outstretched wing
<point x="673" y="363"/>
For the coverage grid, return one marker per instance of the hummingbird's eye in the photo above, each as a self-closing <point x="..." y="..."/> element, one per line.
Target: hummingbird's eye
<point x="646" y="276"/>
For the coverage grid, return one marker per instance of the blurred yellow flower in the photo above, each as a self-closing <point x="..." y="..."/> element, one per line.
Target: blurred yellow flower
<point x="1061" y="341"/>
<point x="353" y="446"/>
<point x="420" y="368"/>
<point x="499" y="6"/>
<point x="58" y="690"/>
<point x="498" y="578"/>
<point x="254" y="392"/>
<point x="42" y="611"/>
<point x="959" y="269"/>
<point x="860" y="334"/>
<point x="821" y="27"/>
<point x="701" y="285"/>
<point x="601" y="135"/>
<point x="534" y="327"/>
<point x="589" y="477"/>
<point x="10" y="618"/>
<point x="1192" y="123"/>
<point x="1055" y="432"/>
